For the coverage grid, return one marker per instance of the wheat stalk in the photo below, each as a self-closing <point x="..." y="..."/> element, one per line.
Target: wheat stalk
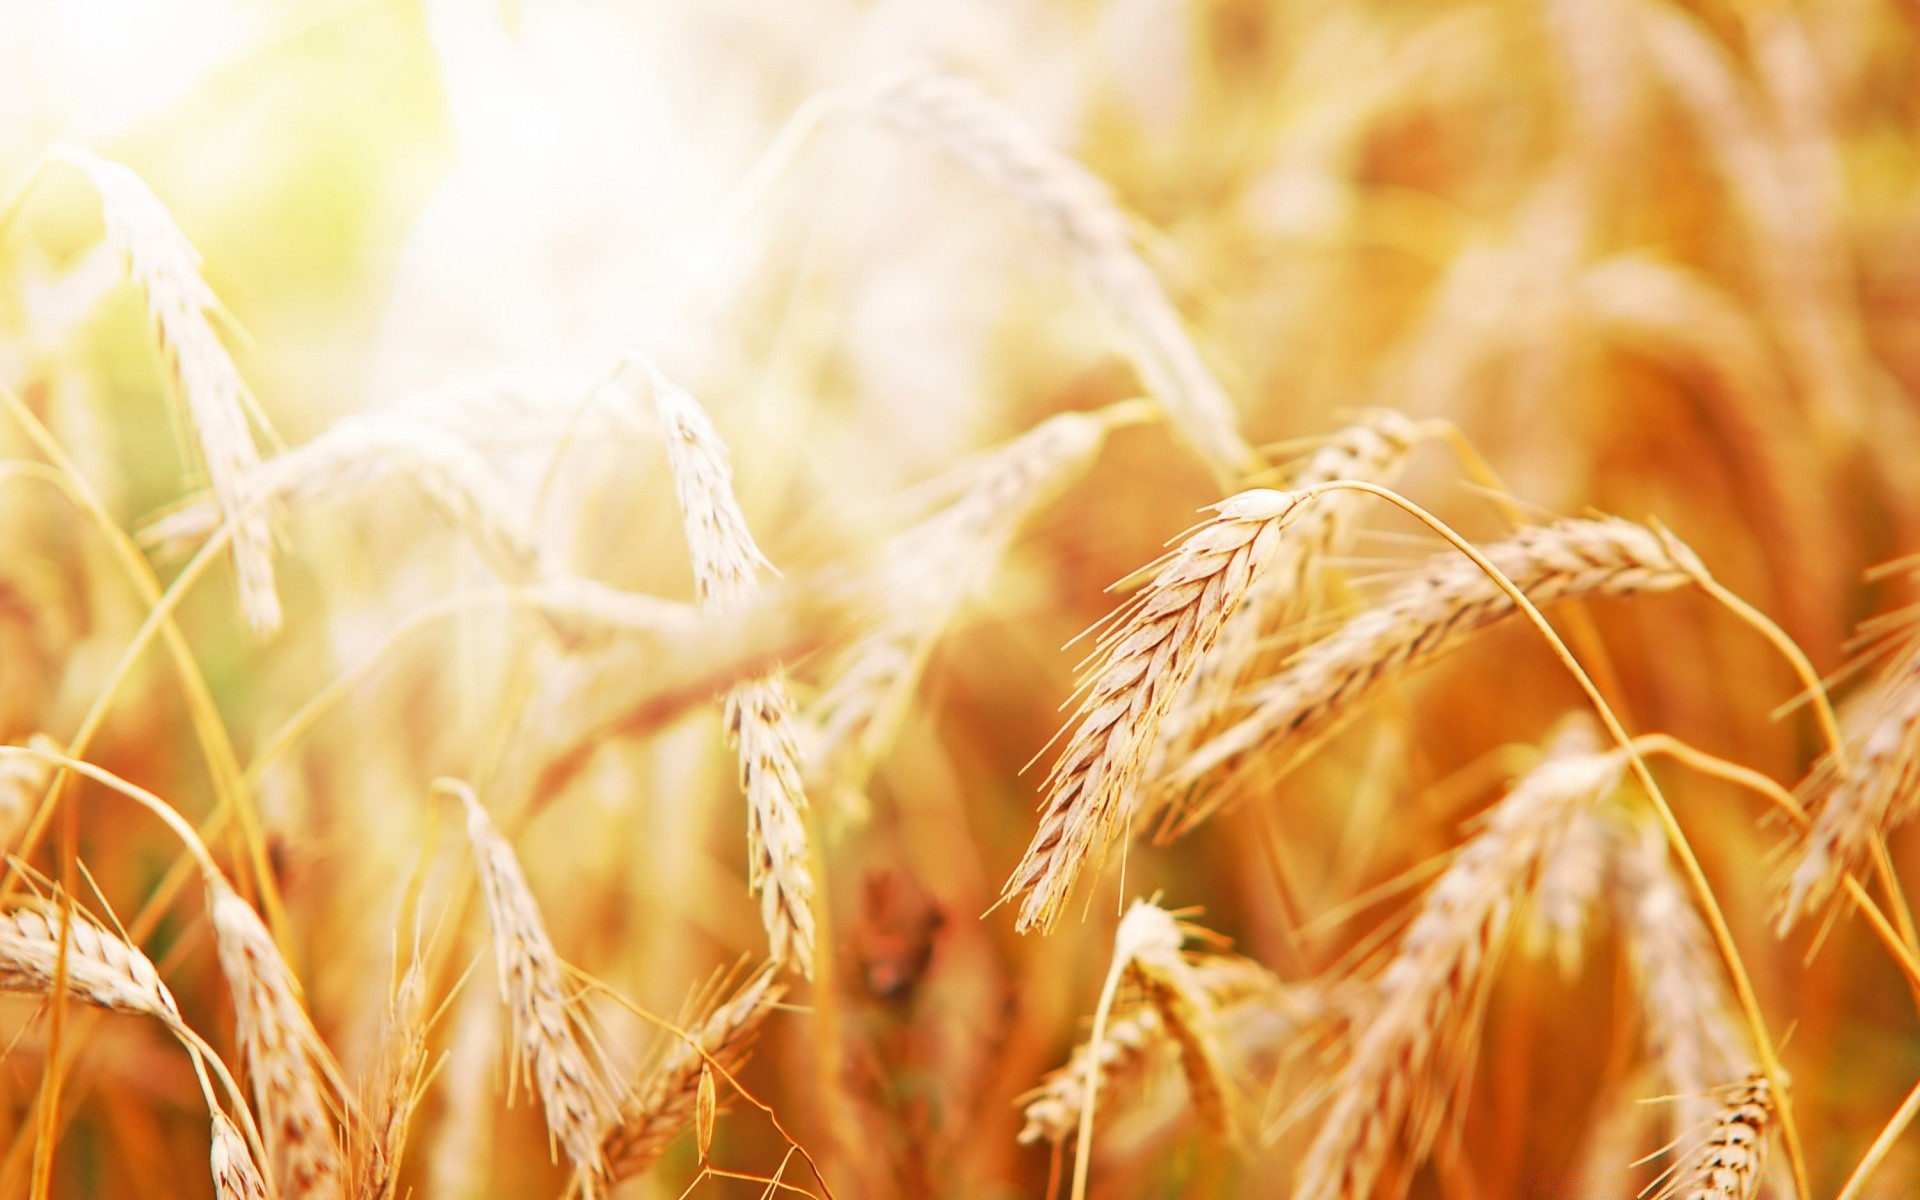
<point x="664" y="1104"/>
<point x="1727" y="1165"/>
<point x="551" y="1047"/>
<point x="1873" y="795"/>
<point x="1444" y="604"/>
<point x="163" y="264"/>
<point x="759" y="714"/>
<point x="1427" y="997"/>
<point x="1151" y="647"/>
<point x="932" y="569"/>
<point x="235" y="1175"/>
<point x="1078" y="210"/>
<point x="280" y="1049"/>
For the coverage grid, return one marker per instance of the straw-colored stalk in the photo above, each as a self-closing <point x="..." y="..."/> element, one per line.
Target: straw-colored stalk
<point x="727" y="564"/>
<point x="1151" y="646"/>
<point x="1428" y="998"/>
<point x="163" y="264"/>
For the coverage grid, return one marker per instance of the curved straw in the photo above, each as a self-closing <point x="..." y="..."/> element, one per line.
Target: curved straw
<point x="1747" y="777"/>
<point x="222" y="763"/>
<point x="1695" y="875"/>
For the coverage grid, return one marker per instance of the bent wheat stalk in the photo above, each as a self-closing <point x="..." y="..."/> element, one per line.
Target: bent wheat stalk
<point x="932" y="569"/>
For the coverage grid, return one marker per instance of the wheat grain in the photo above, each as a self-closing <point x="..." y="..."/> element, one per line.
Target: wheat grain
<point x="759" y="714"/>
<point x="235" y="1175"/>
<point x="1078" y="210"/>
<point x="163" y="264"/>
<point x="1875" y="794"/>
<point x="550" y="1046"/>
<point x="1426" y="999"/>
<point x="1151" y="648"/>
<point x="1445" y="603"/>
<point x="664" y="1104"/>
<point x="280" y="1049"/>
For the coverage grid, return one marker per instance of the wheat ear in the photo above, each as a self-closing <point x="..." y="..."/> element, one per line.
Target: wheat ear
<point x="932" y="569"/>
<point x="1375" y="449"/>
<point x="1427" y="998"/>
<point x="1078" y="210"/>
<point x="280" y="1049"/>
<point x="1693" y="1030"/>
<point x="163" y="264"/>
<point x="1872" y="796"/>
<point x="665" y="1103"/>
<point x="1134" y="1042"/>
<point x="550" y="1045"/>
<point x="358" y="453"/>
<point x="727" y="563"/>
<point x="395" y="1090"/>
<point x="1443" y="605"/>
<point x="102" y="969"/>
<point x="1727" y="1165"/>
<point x="235" y="1175"/>
<point x="1150" y="648"/>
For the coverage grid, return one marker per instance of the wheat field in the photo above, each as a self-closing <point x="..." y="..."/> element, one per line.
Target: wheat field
<point x="920" y="598"/>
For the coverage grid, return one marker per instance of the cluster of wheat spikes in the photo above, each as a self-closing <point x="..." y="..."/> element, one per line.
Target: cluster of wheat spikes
<point x="1415" y="826"/>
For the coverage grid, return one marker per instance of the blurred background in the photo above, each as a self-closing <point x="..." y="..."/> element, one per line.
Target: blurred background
<point x="1655" y="258"/>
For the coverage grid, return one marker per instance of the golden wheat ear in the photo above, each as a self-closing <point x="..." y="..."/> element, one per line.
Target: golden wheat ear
<point x="1149" y="649"/>
<point x="163" y="264"/>
<point x="1427" y="998"/>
